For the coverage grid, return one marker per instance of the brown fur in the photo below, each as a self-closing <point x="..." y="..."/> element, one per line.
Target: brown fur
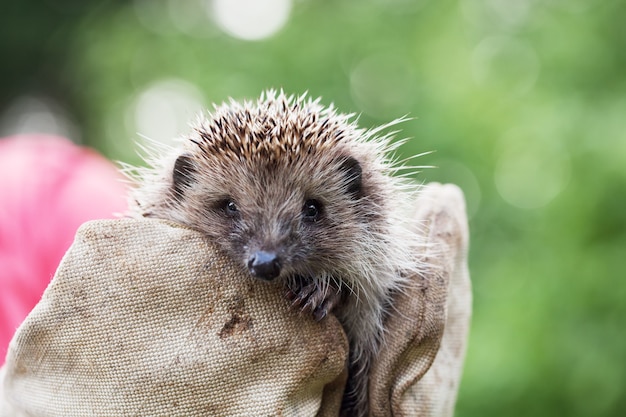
<point x="271" y="159"/>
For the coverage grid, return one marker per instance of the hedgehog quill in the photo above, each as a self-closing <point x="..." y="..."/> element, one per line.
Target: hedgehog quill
<point x="295" y="191"/>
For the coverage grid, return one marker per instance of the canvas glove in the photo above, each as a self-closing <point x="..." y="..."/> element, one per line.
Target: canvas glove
<point x="147" y="318"/>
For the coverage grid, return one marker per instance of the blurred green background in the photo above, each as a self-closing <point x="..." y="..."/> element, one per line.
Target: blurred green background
<point x="524" y="102"/>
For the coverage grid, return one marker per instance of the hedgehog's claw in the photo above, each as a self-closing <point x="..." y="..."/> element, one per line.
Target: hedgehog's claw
<point x="309" y="298"/>
<point x="330" y="302"/>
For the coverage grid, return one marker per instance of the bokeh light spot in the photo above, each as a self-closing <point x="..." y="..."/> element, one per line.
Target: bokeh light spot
<point x="507" y="64"/>
<point x="35" y="114"/>
<point x="575" y="6"/>
<point x="251" y="19"/>
<point x="153" y="15"/>
<point x="164" y="110"/>
<point x="403" y="6"/>
<point x="381" y="86"/>
<point x="507" y="14"/>
<point x="511" y="13"/>
<point x="190" y="18"/>
<point x="531" y="170"/>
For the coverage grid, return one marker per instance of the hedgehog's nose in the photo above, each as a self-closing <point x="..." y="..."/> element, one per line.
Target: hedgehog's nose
<point x="264" y="265"/>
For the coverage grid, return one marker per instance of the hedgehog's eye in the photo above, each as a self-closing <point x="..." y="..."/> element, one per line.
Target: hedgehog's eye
<point x="230" y="208"/>
<point x="311" y="211"/>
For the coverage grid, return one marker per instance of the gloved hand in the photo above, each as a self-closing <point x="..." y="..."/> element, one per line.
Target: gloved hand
<point x="145" y="317"/>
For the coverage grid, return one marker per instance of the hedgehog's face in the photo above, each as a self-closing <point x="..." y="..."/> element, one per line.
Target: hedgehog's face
<point x="277" y="219"/>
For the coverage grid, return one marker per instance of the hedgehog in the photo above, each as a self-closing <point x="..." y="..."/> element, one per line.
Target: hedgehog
<point x="297" y="192"/>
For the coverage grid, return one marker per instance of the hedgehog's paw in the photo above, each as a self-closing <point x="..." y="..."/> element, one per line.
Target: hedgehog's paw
<point x="312" y="299"/>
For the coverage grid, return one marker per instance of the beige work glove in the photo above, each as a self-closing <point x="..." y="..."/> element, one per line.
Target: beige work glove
<point x="145" y="318"/>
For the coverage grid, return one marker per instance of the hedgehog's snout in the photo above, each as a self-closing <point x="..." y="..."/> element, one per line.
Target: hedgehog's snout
<point x="264" y="265"/>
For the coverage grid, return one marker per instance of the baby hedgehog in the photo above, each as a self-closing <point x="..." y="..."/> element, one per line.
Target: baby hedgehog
<point x="297" y="192"/>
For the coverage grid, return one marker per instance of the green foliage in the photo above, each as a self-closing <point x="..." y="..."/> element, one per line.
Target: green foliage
<point x="524" y="103"/>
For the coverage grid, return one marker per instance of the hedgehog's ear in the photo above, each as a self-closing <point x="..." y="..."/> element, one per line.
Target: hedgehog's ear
<point x="354" y="176"/>
<point x="182" y="175"/>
